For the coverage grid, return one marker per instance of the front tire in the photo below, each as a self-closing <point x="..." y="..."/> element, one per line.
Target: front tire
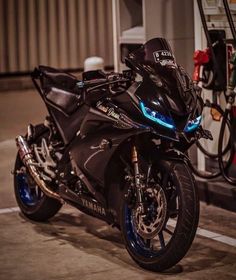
<point x="154" y="248"/>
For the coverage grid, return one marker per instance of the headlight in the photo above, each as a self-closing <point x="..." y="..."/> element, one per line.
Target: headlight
<point x="193" y="124"/>
<point x="157" y="117"/>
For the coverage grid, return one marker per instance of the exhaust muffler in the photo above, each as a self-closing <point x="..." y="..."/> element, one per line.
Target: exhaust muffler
<point x="28" y="160"/>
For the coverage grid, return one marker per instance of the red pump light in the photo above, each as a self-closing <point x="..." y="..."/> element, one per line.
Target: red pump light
<point x="199" y="58"/>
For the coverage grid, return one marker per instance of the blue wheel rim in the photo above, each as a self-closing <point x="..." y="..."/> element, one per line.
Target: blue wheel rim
<point x="28" y="194"/>
<point x="136" y="242"/>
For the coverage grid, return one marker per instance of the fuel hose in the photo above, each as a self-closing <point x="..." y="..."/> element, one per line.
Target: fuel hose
<point x="224" y="169"/>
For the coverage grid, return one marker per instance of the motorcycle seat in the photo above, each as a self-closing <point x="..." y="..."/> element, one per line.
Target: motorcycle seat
<point x="64" y="101"/>
<point x="54" y="78"/>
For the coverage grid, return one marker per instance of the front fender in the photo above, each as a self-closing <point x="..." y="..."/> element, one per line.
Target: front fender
<point x="170" y="155"/>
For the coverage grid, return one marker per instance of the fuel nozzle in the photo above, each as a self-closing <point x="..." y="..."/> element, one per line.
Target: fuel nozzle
<point x="232" y="79"/>
<point x="200" y="58"/>
<point x="232" y="83"/>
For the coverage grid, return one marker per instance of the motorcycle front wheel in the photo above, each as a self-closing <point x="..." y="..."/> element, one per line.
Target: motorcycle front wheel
<point x="158" y="236"/>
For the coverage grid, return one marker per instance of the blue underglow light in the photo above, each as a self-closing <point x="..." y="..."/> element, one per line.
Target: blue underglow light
<point x="193" y="124"/>
<point x="157" y="117"/>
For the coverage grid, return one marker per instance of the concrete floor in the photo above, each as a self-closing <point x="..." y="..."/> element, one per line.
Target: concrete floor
<point x="75" y="246"/>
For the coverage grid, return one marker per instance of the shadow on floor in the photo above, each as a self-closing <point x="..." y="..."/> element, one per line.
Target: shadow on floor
<point x="97" y="238"/>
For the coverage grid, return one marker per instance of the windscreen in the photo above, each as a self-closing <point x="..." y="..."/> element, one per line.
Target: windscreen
<point x="152" y="56"/>
<point x="155" y="62"/>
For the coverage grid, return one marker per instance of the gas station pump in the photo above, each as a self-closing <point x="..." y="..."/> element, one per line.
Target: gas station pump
<point x="215" y="74"/>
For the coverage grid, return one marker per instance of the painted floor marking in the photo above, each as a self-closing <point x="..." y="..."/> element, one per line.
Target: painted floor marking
<point x="201" y="232"/>
<point x="210" y="234"/>
<point x="9" y="210"/>
<point x="7" y="143"/>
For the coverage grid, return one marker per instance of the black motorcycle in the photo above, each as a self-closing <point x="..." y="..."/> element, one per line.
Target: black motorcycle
<point x="114" y="146"/>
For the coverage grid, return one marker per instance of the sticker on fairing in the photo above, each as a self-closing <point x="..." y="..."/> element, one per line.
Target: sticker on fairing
<point x="164" y="57"/>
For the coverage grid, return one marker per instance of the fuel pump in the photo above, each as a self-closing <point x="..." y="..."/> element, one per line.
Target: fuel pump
<point x="229" y="113"/>
<point x="211" y="73"/>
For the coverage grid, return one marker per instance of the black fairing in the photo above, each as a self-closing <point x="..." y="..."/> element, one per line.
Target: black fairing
<point x="166" y="87"/>
<point x="99" y="127"/>
<point x="63" y="100"/>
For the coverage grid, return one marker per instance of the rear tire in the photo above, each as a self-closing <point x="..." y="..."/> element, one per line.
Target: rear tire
<point x="33" y="203"/>
<point x="161" y="256"/>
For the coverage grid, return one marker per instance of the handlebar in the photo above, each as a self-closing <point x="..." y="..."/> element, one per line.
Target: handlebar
<point x="112" y="83"/>
<point x="111" y="79"/>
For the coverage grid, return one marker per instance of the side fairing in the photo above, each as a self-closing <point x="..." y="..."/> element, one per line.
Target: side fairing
<point x="99" y="138"/>
<point x="68" y="125"/>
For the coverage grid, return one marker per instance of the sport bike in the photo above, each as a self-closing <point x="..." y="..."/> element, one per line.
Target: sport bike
<point x="114" y="146"/>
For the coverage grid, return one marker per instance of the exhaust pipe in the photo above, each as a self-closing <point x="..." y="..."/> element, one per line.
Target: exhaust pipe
<point x="28" y="160"/>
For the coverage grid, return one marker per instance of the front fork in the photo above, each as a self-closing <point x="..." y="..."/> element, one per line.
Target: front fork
<point x="138" y="178"/>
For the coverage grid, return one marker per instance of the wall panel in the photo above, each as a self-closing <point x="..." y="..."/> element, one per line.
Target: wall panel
<point x="22" y="32"/>
<point x="12" y="36"/>
<point x="58" y="33"/>
<point x="2" y="38"/>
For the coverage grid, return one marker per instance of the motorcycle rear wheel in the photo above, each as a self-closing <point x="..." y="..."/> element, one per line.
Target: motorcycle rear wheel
<point x="33" y="203"/>
<point x="169" y="243"/>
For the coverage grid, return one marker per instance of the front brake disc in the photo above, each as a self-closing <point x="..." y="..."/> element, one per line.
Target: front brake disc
<point x="150" y="223"/>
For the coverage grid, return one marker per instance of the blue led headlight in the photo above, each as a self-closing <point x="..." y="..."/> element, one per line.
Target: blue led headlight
<point x="193" y="124"/>
<point x="157" y="117"/>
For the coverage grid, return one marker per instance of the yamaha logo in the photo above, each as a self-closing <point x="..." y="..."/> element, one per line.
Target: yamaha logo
<point x="93" y="206"/>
